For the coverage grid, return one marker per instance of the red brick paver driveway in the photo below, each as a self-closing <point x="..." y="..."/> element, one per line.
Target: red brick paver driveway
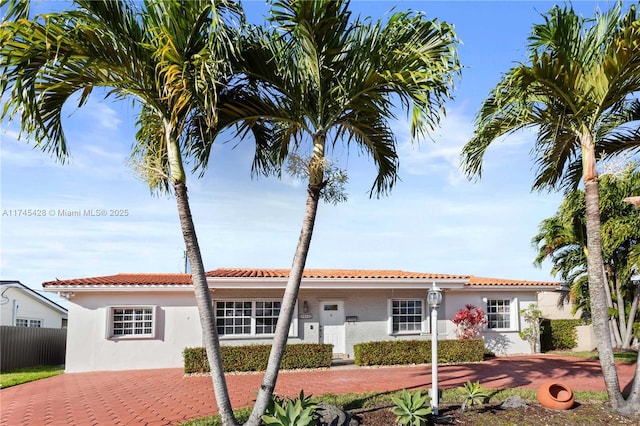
<point x="166" y="397"/>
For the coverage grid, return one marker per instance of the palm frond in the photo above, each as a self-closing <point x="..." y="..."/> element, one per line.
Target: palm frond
<point x="15" y="9"/>
<point x="580" y="78"/>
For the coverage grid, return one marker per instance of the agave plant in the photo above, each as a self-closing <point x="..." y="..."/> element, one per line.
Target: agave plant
<point x="290" y="412"/>
<point x="473" y="394"/>
<point x="411" y="408"/>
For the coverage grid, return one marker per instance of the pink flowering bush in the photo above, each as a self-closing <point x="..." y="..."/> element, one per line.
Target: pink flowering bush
<point x="470" y="321"/>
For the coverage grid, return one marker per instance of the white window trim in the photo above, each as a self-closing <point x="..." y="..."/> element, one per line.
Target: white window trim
<point x="424" y="323"/>
<point x="293" y="329"/>
<point x="513" y="313"/>
<point x="154" y="320"/>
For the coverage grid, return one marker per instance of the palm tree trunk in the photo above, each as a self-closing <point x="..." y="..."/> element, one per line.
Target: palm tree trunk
<point x="597" y="294"/>
<point x="628" y="337"/>
<point x="621" y="321"/>
<point x="613" y="326"/>
<point x="287" y="308"/>
<point x="596" y="272"/>
<point x="205" y="306"/>
<point x="632" y="404"/>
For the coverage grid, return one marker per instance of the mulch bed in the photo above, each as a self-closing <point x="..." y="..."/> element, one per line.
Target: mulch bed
<point x="493" y="415"/>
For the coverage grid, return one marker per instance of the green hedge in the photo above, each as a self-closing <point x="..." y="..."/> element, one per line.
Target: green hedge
<point x="401" y="352"/>
<point x="559" y="334"/>
<point x="255" y="358"/>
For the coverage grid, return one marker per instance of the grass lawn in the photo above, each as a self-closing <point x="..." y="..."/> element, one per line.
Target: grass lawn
<point x="25" y="375"/>
<point x="622" y="356"/>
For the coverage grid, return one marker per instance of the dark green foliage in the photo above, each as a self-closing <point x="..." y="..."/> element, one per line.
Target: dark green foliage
<point x="255" y="357"/>
<point x="559" y="334"/>
<point x="307" y="355"/>
<point x="460" y="350"/>
<point x="195" y="360"/>
<point x="399" y="352"/>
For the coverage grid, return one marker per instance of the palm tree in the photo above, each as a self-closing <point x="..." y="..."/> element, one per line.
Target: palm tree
<point x="170" y="57"/>
<point x="321" y="78"/>
<point x="562" y="239"/>
<point x="577" y="91"/>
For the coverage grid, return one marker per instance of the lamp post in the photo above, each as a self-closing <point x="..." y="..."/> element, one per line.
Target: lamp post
<point x="434" y="297"/>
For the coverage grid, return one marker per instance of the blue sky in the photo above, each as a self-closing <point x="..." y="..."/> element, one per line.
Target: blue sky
<point x="433" y="221"/>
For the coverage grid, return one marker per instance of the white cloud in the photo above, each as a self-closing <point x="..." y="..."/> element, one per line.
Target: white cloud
<point x="434" y="220"/>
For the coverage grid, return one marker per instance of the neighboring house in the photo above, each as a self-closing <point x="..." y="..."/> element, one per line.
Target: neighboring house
<point x="136" y="321"/>
<point x="24" y="307"/>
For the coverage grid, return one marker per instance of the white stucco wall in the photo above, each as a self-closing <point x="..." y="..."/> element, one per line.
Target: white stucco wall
<point x="89" y="349"/>
<point x="371" y="309"/>
<point x="548" y="304"/>
<point x="499" y="342"/>
<point x="22" y="305"/>
<point x="178" y="325"/>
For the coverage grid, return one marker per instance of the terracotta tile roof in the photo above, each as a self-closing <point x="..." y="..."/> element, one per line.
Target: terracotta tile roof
<point x="327" y="273"/>
<point x="480" y="281"/>
<point x="125" y="280"/>
<point x="159" y="279"/>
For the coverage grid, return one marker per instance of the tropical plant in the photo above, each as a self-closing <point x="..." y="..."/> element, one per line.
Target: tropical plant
<point x="290" y="412"/>
<point x="532" y="315"/>
<point x="472" y="394"/>
<point x="562" y="240"/>
<point x="322" y="77"/>
<point x="469" y="321"/>
<point x="171" y="58"/>
<point x="411" y="408"/>
<point x="577" y="90"/>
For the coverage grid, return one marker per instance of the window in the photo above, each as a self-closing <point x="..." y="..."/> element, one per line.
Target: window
<point x="233" y="317"/>
<point x="26" y="322"/>
<point x="132" y="322"/>
<point x="406" y="316"/>
<point x="267" y="317"/>
<point x="249" y="317"/>
<point x="499" y="313"/>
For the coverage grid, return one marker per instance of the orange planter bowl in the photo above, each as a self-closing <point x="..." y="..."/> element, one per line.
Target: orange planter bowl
<point x="556" y="396"/>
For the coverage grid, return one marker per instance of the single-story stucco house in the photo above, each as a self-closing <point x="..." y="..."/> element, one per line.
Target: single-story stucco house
<point x="22" y="306"/>
<point x="138" y="321"/>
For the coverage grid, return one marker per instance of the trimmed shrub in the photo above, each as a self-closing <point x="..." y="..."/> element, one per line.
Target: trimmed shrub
<point x="403" y="352"/>
<point x="255" y="358"/>
<point x="195" y="360"/>
<point x="457" y="351"/>
<point x="559" y="334"/>
<point x="307" y="355"/>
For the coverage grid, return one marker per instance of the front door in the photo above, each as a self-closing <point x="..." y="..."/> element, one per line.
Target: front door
<point x="332" y="322"/>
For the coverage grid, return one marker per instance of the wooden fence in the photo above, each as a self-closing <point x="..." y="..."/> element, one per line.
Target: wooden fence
<point x="22" y="347"/>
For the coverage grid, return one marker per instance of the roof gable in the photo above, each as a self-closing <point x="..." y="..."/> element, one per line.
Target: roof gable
<point x="32" y="294"/>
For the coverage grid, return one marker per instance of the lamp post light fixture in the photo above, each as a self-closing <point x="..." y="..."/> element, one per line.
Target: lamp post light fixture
<point x="434" y="297"/>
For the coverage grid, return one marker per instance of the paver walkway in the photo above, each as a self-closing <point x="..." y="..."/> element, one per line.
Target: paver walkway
<point x="166" y="397"/>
